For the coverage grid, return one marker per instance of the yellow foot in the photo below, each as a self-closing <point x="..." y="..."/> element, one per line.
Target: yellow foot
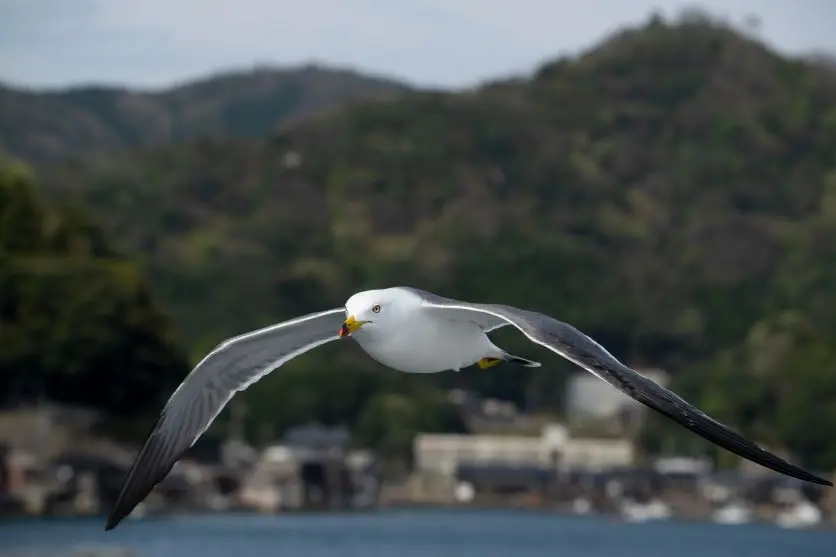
<point x="485" y="363"/>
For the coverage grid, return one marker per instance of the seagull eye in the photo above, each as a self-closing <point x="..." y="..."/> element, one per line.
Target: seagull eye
<point x="376" y="308"/>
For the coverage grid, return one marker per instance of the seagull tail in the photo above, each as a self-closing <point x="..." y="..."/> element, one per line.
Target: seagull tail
<point x="521" y="361"/>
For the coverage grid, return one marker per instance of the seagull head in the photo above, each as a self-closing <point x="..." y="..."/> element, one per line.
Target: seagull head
<point x="375" y="310"/>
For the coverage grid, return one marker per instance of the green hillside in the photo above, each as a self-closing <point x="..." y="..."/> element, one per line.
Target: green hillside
<point x="77" y="322"/>
<point x="51" y="126"/>
<point x="672" y="192"/>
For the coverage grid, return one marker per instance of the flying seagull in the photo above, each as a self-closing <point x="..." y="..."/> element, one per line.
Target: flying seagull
<point x="413" y="331"/>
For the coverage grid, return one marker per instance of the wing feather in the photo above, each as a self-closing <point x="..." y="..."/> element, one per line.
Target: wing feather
<point x="567" y="341"/>
<point x="232" y="366"/>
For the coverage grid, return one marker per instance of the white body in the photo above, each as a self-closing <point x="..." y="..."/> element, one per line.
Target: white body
<point x="423" y="345"/>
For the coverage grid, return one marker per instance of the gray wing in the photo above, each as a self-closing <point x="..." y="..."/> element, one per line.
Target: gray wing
<point x="232" y="366"/>
<point x="567" y="341"/>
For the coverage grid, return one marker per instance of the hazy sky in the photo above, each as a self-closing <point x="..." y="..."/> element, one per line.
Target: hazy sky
<point x="153" y="43"/>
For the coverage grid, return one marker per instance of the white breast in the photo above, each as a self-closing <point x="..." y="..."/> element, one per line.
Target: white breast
<point x="425" y="346"/>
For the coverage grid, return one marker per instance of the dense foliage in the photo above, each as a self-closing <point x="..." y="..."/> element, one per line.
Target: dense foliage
<point x="671" y="192"/>
<point x="77" y="323"/>
<point x="49" y="126"/>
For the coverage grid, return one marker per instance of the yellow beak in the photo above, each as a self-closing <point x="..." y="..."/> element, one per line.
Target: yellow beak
<point x="350" y="326"/>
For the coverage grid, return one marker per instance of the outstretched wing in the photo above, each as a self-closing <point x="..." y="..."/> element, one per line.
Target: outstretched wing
<point x="232" y="366"/>
<point x="578" y="348"/>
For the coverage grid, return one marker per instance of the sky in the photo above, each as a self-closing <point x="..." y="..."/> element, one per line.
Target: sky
<point x="152" y="44"/>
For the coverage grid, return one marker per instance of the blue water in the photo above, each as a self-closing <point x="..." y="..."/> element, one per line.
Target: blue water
<point x="409" y="533"/>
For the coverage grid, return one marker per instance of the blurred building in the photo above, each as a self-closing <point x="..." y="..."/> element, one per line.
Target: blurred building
<point x="589" y="400"/>
<point x="527" y="462"/>
<point x="312" y="468"/>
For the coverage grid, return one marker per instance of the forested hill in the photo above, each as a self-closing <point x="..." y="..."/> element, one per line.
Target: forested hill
<point x="77" y="322"/>
<point x="51" y="126"/>
<point x="671" y="192"/>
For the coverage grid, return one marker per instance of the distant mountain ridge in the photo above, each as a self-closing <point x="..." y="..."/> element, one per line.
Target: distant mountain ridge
<point x="50" y="126"/>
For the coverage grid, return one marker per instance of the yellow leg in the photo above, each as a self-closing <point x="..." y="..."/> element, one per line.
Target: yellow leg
<point x="485" y="363"/>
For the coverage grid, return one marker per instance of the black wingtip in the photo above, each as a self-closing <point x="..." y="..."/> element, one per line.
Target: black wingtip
<point x="117" y="515"/>
<point x="781" y="466"/>
<point x="812" y="478"/>
<point x="153" y="463"/>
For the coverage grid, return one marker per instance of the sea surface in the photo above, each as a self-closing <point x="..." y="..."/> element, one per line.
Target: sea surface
<point x="409" y="533"/>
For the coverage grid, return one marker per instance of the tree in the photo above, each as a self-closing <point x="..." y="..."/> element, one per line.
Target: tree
<point x="77" y="323"/>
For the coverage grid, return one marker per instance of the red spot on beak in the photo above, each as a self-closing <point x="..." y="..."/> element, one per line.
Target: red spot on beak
<point x="344" y="331"/>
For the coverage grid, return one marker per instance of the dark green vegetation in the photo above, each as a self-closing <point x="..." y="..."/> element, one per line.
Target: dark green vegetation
<point x="49" y="126"/>
<point x="672" y="193"/>
<point x="77" y="323"/>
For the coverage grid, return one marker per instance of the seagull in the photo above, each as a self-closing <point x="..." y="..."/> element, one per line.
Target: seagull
<point x="413" y="331"/>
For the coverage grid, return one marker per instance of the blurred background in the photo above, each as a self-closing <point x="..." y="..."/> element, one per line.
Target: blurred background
<point x="662" y="176"/>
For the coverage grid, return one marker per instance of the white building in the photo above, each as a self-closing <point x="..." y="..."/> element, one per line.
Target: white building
<point x="590" y="398"/>
<point x="441" y="453"/>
